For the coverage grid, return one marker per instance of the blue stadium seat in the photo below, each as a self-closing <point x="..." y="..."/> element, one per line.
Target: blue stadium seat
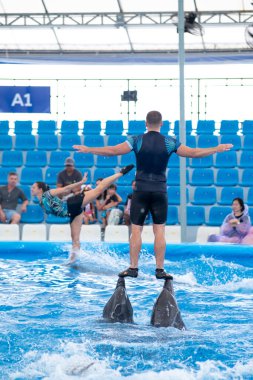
<point x="34" y="214"/>
<point x="165" y="127"/>
<point x="107" y="161"/>
<point x="114" y="127"/>
<point x="52" y="219"/>
<point x="23" y="127"/>
<point x="246" y="159"/>
<point x="27" y="190"/>
<point x="205" y="127"/>
<point x="228" y="194"/>
<point x="47" y="142"/>
<point x="204" y="196"/>
<point x="174" y="195"/>
<point x="207" y="141"/>
<point x="173" y="177"/>
<point x="46" y="127"/>
<point x="247" y="127"/>
<point x="188" y="124"/>
<point x="83" y="160"/>
<point x="191" y="141"/>
<point x="123" y="191"/>
<point x="227" y="177"/>
<point x="251" y="213"/>
<point x="127" y="179"/>
<point x="69" y="127"/>
<point x="229" y="127"/>
<point x="12" y="158"/>
<point x="92" y="127"/>
<point x="67" y="141"/>
<point x="232" y="139"/>
<point x="226" y="160"/>
<point x="195" y="215"/>
<point x="115" y="140"/>
<point x="51" y="176"/>
<point x="202" y="162"/>
<point x="173" y="161"/>
<point x="31" y="175"/>
<point x="172" y="215"/>
<point x="217" y="215"/>
<point x="5" y="142"/>
<point x="127" y="159"/>
<point x="94" y="140"/>
<point x="57" y="159"/>
<point x="36" y="158"/>
<point x="4" y="127"/>
<point x="25" y="142"/>
<point x="202" y="177"/>
<point x="248" y="143"/>
<point x="89" y="177"/>
<point x="250" y="199"/>
<point x="136" y="127"/>
<point x="247" y="178"/>
<point x="103" y="173"/>
<point x="4" y="174"/>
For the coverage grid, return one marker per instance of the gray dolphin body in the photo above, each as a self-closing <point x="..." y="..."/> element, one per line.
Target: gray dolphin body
<point x="119" y="308"/>
<point x="165" y="311"/>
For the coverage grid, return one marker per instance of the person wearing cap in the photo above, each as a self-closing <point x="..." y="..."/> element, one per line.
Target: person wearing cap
<point x="69" y="175"/>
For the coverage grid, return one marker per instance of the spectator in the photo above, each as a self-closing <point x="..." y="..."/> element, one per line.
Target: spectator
<point x="128" y="205"/>
<point x="100" y="202"/>
<point x="235" y="226"/>
<point x="111" y="201"/>
<point x="69" y="175"/>
<point x="89" y="211"/>
<point x="9" y="196"/>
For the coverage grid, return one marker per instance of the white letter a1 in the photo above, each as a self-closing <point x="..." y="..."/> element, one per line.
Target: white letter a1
<point x="17" y="100"/>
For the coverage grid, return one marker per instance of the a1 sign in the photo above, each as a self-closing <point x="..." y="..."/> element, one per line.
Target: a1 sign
<point x="30" y="99"/>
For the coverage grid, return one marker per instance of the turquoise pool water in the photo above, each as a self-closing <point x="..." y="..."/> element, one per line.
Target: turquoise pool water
<point x="51" y="325"/>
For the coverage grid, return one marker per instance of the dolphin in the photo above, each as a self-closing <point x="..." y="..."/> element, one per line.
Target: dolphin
<point x="165" y="311"/>
<point x="119" y="308"/>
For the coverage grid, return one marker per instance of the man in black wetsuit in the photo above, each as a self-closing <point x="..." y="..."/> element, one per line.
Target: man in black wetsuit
<point x="152" y="151"/>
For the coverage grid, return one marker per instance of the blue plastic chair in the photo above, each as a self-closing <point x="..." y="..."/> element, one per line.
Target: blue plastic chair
<point x="136" y="127"/>
<point x="217" y="215"/>
<point x="204" y="196"/>
<point x="174" y="195"/>
<point x="5" y="142"/>
<point x="227" y="177"/>
<point x="232" y="139"/>
<point x="27" y="191"/>
<point x="173" y="177"/>
<point x="51" y="176"/>
<point x="226" y="160"/>
<point x="36" y="158"/>
<point x="165" y="127"/>
<point x="69" y="127"/>
<point x="229" y="127"/>
<point x="172" y="215"/>
<point x="4" y="127"/>
<point x="46" y="127"/>
<point x="107" y="161"/>
<point x="31" y="175"/>
<point x="127" y="159"/>
<point x="202" y="162"/>
<point x="202" y="177"/>
<point x="246" y="159"/>
<point x="205" y="127"/>
<point x="229" y="193"/>
<point x="173" y="161"/>
<point x="92" y="127"/>
<point x="247" y="178"/>
<point x="23" y="127"/>
<point x="250" y="199"/>
<point x="94" y="140"/>
<point x="47" y="142"/>
<point x="57" y="159"/>
<point x="127" y="179"/>
<point x="34" y="214"/>
<point x="4" y="174"/>
<point x="247" y="127"/>
<point x="207" y="141"/>
<point x="191" y="141"/>
<point x="52" y="219"/>
<point x="12" y="158"/>
<point x="123" y="191"/>
<point x="188" y="125"/>
<point x="248" y="143"/>
<point x="116" y="139"/>
<point x="251" y="213"/>
<point x="67" y="142"/>
<point x="83" y="160"/>
<point x="25" y="142"/>
<point x="103" y="173"/>
<point x="195" y="215"/>
<point x="114" y="127"/>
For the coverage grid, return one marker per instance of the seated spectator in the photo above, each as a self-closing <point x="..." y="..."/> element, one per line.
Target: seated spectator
<point x="248" y="239"/>
<point x="89" y="211"/>
<point x="9" y="196"/>
<point x="126" y="216"/>
<point x="69" y="175"/>
<point x="100" y="202"/>
<point x="111" y="202"/>
<point x="235" y="226"/>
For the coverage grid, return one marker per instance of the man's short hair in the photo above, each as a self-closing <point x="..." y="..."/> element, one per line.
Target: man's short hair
<point x="154" y="117"/>
<point x="12" y="173"/>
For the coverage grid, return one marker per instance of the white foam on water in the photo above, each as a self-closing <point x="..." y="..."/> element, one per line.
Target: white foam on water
<point x="245" y="284"/>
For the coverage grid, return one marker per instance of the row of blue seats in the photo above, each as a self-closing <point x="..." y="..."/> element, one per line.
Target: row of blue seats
<point x="65" y="142"/>
<point x="199" y="177"/>
<point x="195" y="215"/>
<point x="116" y="127"/>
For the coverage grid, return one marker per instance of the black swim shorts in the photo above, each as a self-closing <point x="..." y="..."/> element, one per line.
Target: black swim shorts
<point x="74" y="205"/>
<point x="145" y="201"/>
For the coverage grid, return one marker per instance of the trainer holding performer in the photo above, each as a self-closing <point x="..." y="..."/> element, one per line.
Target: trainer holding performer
<point x="152" y="151"/>
<point x="52" y="202"/>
